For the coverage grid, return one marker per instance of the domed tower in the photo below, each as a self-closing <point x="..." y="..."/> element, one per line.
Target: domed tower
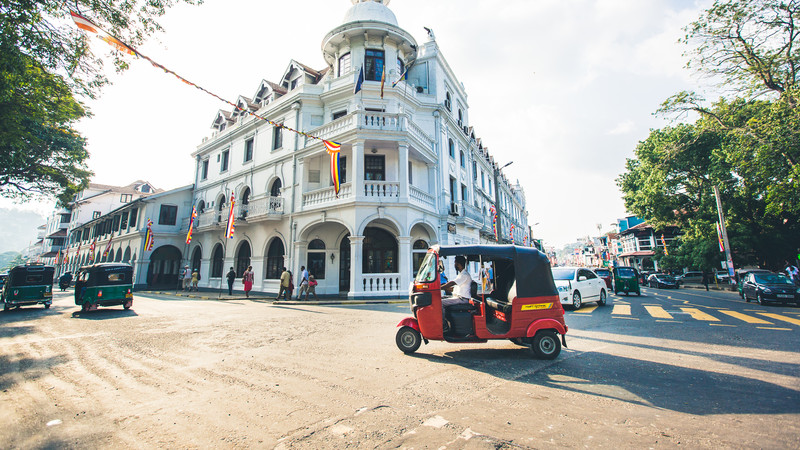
<point x="369" y="37"/>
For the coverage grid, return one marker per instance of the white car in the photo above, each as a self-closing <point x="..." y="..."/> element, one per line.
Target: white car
<point x="577" y="285"/>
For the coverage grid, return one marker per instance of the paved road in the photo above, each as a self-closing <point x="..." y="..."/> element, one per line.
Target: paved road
<point x="669" y="368"/>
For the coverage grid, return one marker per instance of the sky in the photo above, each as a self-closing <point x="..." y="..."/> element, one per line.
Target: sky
<point x="564" y="89"/>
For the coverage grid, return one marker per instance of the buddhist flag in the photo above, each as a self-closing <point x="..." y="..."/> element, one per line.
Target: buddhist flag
<point x="664" y="244"/>
<point x="383" y="79"/>
<point x="402" y="77"/>
<point x="148" y="237"/>
<point x="333" y="149"/>
<point x="494" y="220"/>
<point x="58" y="257"/>
<point x="87" y="25"/>
<point x="108" y="248"/>
<point x="359" y="81"/>
<point x="719" y="238"/>
<point x="66" y="256"/>
<point x="511" y="233"/>
<point x="230" y="228"/>
<point x="91" y="250"/>
<point x="191" y="225"/>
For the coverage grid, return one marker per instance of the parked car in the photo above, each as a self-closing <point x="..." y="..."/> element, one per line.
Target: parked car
<point x="605" y="274"/>
<point x="578" y="285"/>
<point x="741" y="274"/>
<point x="770" y="287"/>
<point x="691" y="277"/>
<point x="722" y="276"/>
<point x="662" y="280"/>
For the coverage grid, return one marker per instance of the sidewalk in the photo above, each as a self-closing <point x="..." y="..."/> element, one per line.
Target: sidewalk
<point x="262" y="297"/>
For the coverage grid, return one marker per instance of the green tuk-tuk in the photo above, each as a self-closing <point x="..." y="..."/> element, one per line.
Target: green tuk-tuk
<point x="626" y="279"/>
<point x="105" y="284"/>
<point x="30" y="284"/>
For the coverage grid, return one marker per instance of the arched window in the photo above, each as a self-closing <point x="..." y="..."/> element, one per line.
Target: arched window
<point x="452" y="146"/>
<point x="110" y="257"/>
<point x="201" y="206"/>
<point x="448" y="102"/>
<point x="242" y="258"/>
<point x="243" y="206"/>
<point x="316" y="259"/>
<point x="275" y="190"/>
<point x="274" y="264"/>
<point x="463" y="160"/>
<point x="344" y="64"/>
<point x="118" y="257"/>
<point x="380" y="251"/>
<point x="216" y="261"/>
<point x="420" y="249"/>
<point x="197" y="257"/>
<point x="127" y="257"/>
<point x="221" y="203"/>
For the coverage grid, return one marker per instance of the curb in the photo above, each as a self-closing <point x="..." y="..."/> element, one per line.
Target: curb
<point x="279" y="302"/>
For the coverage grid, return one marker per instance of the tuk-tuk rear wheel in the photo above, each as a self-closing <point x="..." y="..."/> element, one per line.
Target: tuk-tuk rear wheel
<point x="408" y="340"/>
<point x="47" y="306"/>
<point x="546" y="345"/>
<point x="6" y="306"/>
<point x="128" y="304"/>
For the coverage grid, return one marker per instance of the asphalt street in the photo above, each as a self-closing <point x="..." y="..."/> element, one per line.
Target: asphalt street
<point x="669" y="368"/>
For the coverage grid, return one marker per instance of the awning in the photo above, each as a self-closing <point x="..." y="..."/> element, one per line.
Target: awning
<point x="58" y="234"/>
<point x="646" y="253"/>
<point x="50" y="255"/>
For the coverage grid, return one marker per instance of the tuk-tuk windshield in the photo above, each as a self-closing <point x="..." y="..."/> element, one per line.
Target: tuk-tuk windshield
<point x="427" y="269"/>
<point x="625" y="272"/>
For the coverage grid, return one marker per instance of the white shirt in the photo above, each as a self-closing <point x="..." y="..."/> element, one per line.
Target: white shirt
<point x="463" y="282"/>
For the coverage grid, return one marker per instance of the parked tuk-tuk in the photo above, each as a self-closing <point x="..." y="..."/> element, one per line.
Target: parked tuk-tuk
<point x="513" y="297"/>
<point x="626" y="279"/>
<point x="104" y="284"/>
<point x="30" y="284"/>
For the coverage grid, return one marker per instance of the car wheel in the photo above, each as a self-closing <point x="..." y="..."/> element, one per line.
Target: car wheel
<point x="602" y="301"/>
<point x="128" y="304"/>
<point x="408" y="340"/>
<point x="576" y="300"/>
<point x="546" y="345"/>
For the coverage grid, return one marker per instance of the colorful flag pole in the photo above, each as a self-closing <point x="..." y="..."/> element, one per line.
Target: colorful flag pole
<point x="359" y="81"/>
<point x="91" y="250"/>
<point x="191" y="225"/>
<point x="333" y="149"/>
<point x="108" y="247"/>
<point x="229" y="229"/>
<point x="494" y="221"/>
<point x="664" y="244"/>
<point x="383" y="79"/>
<point x="719" y="238"/>
<point x="148" y="237"/>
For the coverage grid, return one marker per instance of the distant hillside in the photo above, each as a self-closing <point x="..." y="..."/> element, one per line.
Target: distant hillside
<point x="18" y="229"/>
<point x="6" y="258"/>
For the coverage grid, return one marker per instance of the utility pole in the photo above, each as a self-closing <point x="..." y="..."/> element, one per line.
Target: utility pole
<point x="725" y="242"/>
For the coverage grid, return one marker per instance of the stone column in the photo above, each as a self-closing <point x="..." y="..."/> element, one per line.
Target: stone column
<point x="300" y="260"/>
<point x="402" y="156"/>
<point x="358" y="170"/>
<point x="356" y="257"/>
<point x="404" y="263"/>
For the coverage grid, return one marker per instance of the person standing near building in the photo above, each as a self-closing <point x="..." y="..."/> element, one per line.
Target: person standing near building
<point x="792" y="272"/>
<point x="284" y="284"/>
<point x="195" y="279"/>
<point x="186" y="275"/>
<point x="312" y="287"/>
<point x="247" y="279"/>
<point x="231" y="278"/>
<point x="303" y="283"/>
<point x="705" y="279"/>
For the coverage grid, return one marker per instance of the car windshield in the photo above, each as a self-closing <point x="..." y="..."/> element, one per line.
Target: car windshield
<point x="563" y="274"/>
<point x="772" y="278"/>
<point x="625" y="272"/>
<point x="602" y="272"/>
<point x="427" y="270"/>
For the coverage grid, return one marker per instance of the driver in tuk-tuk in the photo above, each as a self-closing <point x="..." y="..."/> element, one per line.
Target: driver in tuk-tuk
<point x="460" y="287"/>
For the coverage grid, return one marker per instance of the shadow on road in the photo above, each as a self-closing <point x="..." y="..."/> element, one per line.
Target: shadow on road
<point x="10" y="365"/>
<point x="104" y="314"/>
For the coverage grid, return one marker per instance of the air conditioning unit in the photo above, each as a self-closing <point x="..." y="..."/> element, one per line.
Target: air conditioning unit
<point x="454" y="209"/>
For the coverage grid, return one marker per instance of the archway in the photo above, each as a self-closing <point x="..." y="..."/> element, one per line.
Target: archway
<point x="127" y="257"/>
<point x="197" y="256"/>
<point x="275" y="190"/>
<point x="110" y="257"/>
<point x="201" y="207"/>
<point x="274" y="261"/>
<point x="380" y="251"/>
<point x="344" y="264"/>
<point x="163" y="269"/>
<point x="217" y="260"/>
<point x="315" y="259"/>
<point x="118" y="257"/>
<point x="242" y="258"/>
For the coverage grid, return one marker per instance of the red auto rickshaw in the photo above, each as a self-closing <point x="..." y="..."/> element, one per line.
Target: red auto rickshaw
<point x="513" y="297"/>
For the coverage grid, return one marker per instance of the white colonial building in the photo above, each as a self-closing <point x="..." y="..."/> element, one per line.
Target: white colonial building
<point x="413" y="172"/>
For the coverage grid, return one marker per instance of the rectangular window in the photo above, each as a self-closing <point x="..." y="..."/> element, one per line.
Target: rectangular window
<point x="374" y="168"/>
<point x="116" y="223"/>
<point x="205" y="170"/>
<point x="134" y="216"/>
<point x="277" y="137"/>
<point x="316" y="265"/>
<point x="125" y="198"/>
<point x="168" y="215"/>
<point x="95" y="214"/>
<point x="123" y="223"/>
<point x="410" y="173"/>
<point x="483" y="180"/>
<point x="474" y="170"/>
<point x="339" y="114"/>
<point x="344" y="64"/>
<point x="463" y="192"/>
<point x="248" y="150"/>
<point x="313" y="176"/>
<point x="453" y="190"/>
<point x="223" y="165"/>
<point x="65" y="218"/>
<point x="373" y="65"/>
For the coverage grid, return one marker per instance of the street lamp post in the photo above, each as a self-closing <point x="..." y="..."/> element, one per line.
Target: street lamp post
<point x="497" y="200"/>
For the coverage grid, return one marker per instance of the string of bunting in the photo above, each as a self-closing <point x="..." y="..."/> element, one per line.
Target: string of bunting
<point x="86" y="24"/>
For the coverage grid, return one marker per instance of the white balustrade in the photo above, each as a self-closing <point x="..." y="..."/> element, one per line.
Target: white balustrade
<point x="266" y="206"/>
<point x="382" y="283"/>
<point x="381" y="189"/>
<point x="326" y="195"/>
<point x="379" y="121"/>
<point x="420" y="197"/>
<point x="420" y="134"/>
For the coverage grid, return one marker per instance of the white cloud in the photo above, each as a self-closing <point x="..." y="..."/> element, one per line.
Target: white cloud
<point x="622" y="128"/>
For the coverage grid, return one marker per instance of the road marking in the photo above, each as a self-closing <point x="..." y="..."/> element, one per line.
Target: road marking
<point x="783" y="318"/>
<point x="774" y="328"/>
<point x="626" y="318"/>
<point x="668" y="321"/>
<point x="622" y="310"/>
<point x="658" y="312"/>
<point x="745" y="317"/>
<point x="721" y="325"/>
<point x="587" y="309"/>
<point x="700" y="315"/>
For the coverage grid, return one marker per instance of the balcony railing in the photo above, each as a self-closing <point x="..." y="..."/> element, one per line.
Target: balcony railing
<point x="471" y="212"/>
<point x="381" y="283"/>
<point x="369" y="120"/>
<point x="262" y="208"/>
<point x="381" y="189"/>
<point x="326" y="195"/>
<point x="422" y="198"/>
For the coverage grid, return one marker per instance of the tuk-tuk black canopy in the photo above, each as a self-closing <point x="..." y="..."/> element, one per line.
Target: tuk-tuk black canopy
<point x="531" y="267"/>
<point x="99" y="274"/>
<point x="31" y="275"/>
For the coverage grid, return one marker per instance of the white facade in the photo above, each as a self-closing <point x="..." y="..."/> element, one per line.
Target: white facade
<point x="414" y="173"/>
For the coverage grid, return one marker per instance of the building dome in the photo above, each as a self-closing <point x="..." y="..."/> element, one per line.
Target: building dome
<point x="370" y="11"/>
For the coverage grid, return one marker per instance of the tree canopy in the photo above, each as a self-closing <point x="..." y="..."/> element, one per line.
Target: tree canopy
<point x="747" y="143"/>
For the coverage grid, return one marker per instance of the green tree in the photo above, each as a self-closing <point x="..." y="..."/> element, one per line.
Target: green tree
<point x="45" y="64"/>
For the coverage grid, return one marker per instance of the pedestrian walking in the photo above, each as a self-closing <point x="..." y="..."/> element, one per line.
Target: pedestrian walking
<point x="291" y="284"/>
<point x="705" y="279"/>
<point x="247" y="279"/>
<point x="195" y="280"/>
<point x="312" y="287"/>
<point x="303" y="283"/>
<point x="284" y="285"/>
<point x="231" y="278"/>
<point x="793" y="273"/>
<point x="186" y="277"/>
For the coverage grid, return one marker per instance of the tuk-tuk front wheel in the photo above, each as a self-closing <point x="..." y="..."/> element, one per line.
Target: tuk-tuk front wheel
<point x="546" y="345"/>
<point x="408" y="340"/>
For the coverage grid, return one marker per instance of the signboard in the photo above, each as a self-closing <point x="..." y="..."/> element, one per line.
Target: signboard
<point x="451" y="228"/>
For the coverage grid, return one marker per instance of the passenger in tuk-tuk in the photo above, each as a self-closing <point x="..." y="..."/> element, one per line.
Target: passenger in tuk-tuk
<point x="460" y="287"/>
